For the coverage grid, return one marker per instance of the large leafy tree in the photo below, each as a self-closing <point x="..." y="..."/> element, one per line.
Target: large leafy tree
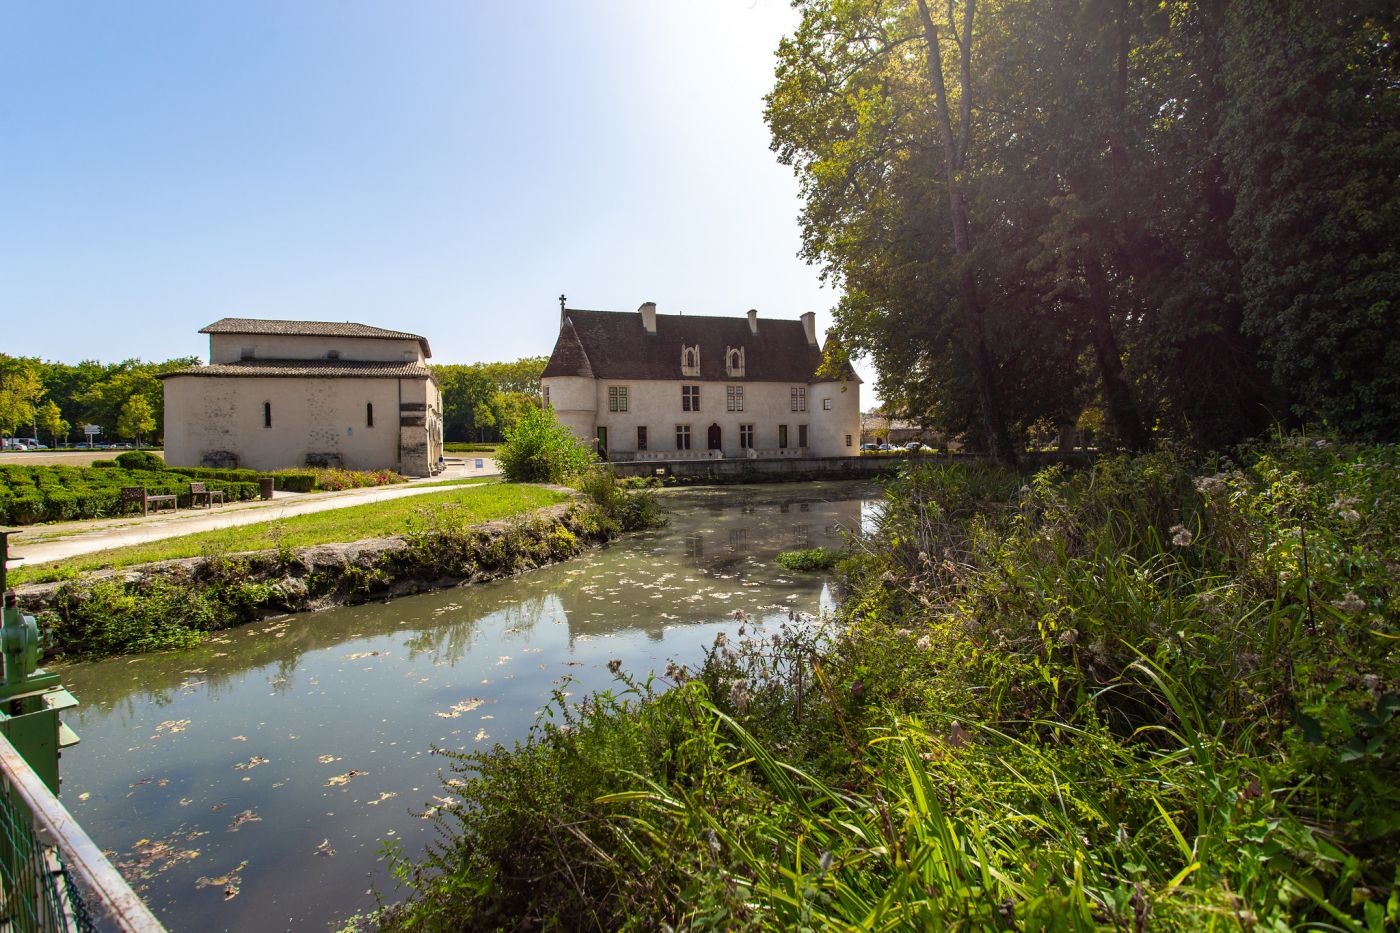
<point x="20" y="391"/>
<point x="1310" y="138"/>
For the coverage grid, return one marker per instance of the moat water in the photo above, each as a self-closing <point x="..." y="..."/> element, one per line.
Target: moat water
<point x="248" y="784"/>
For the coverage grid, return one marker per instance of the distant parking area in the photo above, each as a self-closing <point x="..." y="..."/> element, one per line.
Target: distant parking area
<point x="59" y="457"/>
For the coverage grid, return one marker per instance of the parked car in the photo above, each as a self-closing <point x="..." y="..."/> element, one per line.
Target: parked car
<point x="886" y="447"/>
<point x="869" y="446"/>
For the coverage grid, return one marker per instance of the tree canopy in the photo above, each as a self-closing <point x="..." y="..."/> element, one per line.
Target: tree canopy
<point x="1183" y="215"/>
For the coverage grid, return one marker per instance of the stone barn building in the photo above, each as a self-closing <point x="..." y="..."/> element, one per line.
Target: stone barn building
<point x="646" y="386"/>
<point x="280" y="394"/>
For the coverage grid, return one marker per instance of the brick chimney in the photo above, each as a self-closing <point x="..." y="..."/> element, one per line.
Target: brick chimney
<point x="753" y="321"/>
<point x="648" y="310"/>
<point x="809" y="327"/>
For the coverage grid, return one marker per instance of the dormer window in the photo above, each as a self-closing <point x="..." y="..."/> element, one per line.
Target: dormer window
<point x="734" y="361"/>
<point x="690" y="360"/>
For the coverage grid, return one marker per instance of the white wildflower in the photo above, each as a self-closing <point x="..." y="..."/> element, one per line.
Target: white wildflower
<point x="739" y="696"/>
<point x="1350" y="602"/>
<point x="1181" y="535"/>
<point x="924" y="643"/>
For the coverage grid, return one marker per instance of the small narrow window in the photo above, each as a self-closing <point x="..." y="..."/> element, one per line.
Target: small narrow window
<point x="369" y="414"/>
<point x="746" y="437"/>
<point x="782" y="437"/>
<point x="641" y="437"/>
<point x="267" y="414"/>
<point x="848" y="440"/>
<point x="682" y="437"/>
<point x="801" y="435"/>
<point x="546" y="396"/>
<point x="826" y="404"/>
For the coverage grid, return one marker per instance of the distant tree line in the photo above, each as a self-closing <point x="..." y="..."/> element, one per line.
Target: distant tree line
<point x="1180" y="218"/>
<point x="482" y="400"/>
<point x="52" y="401"/>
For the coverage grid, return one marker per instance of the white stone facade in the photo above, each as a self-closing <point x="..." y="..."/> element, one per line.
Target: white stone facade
<point x="272" y="400"/>
<point x="735" y="415"/>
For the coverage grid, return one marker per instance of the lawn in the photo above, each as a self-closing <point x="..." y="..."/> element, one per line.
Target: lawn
<point x="373" y="520"/>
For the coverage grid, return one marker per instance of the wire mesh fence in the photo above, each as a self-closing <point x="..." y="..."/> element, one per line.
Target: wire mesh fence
<point x="52" y="876"/>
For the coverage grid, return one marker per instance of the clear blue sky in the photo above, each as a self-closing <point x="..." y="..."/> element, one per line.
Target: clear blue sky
<point x="444" y="168"/>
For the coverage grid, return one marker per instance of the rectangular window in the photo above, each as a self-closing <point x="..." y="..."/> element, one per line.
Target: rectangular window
<point x="801" y="435"/>
<point x="682" y="437"/>
<point x="546" y="396"/>
<point x="848" y="440"/>
<point x="798" y="397"/>
<point x="782" y="436"/>
<point x="745" y="437"/>
<point x="641" y="437"/>
<point x="617" y="398"/>
<point x="690" y="398"/>
<point x="826" y="404"/>
<point x="369" y="414"/>
<point x="267" y="414"/>
<point x="734" y="398"/>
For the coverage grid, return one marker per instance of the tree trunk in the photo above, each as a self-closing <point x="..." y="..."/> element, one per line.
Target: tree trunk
<point x="1118" y="395"/>
<point x="954" y="154"/>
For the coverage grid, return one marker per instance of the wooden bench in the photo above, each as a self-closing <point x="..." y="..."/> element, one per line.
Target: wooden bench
<point x="137" y="495"/>
<point x="199" y="491"/>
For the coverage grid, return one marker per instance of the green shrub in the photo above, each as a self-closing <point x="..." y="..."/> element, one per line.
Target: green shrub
<point x="809" y="559"/>
<point x="620" y="509"/>
<point x="140" y="460"/>
<point x="103" y="464"/>
<point x="294" y="481"/>
<point x="538" y="449"/>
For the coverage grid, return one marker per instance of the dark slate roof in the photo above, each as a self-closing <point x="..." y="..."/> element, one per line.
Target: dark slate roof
<point x="569" y="358"/>
<point x="323" y="369"/>
<point x="614" y="345"/>
<point x="247" y="325"/>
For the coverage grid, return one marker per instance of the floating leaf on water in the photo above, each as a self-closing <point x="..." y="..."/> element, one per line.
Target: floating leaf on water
<point x="481" y="735"/>
<point x="340" y="780"/>
<point x="466" y="706"/>
<point x="184" y="801"/>
<point x="327" y="759"/>
<point x="170" y="727"/>
<point x="247" y="816"/>
<point x="358" y="655"/>
<point x="383" y="796"/>
<point x="217" y="807"/>
<point x="325" y="848"/>
<point x="84" y="795"/>
<point x="251" y="763"/>
<point x="240" y="738"/>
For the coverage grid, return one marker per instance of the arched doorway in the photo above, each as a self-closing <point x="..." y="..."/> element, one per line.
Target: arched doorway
<point x="714" y="439"/>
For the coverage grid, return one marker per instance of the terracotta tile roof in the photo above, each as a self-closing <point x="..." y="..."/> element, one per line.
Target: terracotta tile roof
<point x="323" y="369"/>
<point x="614" y="345"/>
<point x="247" y="325"/>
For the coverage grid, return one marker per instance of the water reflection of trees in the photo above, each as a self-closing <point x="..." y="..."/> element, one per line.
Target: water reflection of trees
<point x="723" y="537"/>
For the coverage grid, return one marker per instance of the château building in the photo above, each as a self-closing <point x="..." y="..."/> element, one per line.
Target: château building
<point x="642" y="385"/>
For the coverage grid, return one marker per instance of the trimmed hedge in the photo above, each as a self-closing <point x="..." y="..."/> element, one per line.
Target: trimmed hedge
<point x="30" y="494"/>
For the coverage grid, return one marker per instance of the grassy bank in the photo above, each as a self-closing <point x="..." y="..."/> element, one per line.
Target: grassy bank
<point x="433" y="542"/>
<point x="1161" y="693"/>
<point x="372" y="520"/>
